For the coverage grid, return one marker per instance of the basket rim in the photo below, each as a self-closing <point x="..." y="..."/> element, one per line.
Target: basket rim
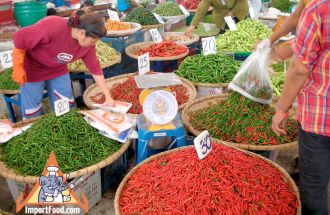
<point x="152" y="26"/>
<point x="138" y="45"/>
<point x="286" y="176"/>
<point x="194" y="39"/>
<point x="188" y="125"/>
<point x="11" y="174"/>
<point x="136" y="27"/>
<point x="190" y="87"/>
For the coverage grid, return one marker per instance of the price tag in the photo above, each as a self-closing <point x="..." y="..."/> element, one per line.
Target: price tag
<point x="231" y="23"/>
<point x="159" y="18"/>
<point x="184" y="10"/>
<point x="207" y="27"/>
<point x="61" y="106"/>
<point x="203" y="144"/>
<point x="252" y="14"/>
<point x="209" y="46"/>
<point x="144" y="63"/>
<point x="156" y="35"/>
<point x="113" y="15"/>
<point x="6" y="59"/>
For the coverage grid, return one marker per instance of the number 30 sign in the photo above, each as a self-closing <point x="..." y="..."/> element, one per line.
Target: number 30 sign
<point x="203" y="144"/>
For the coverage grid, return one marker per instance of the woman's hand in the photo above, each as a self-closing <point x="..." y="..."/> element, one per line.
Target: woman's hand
<point x="189" y="31"/>
<point x="109" y="102"/>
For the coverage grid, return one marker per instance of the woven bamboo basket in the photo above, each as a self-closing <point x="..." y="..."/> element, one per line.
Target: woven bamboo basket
<point x="134" y="28"/>
<point x="147" y="27"/>
<point x="10" y="92"/>
<point x="94" y="89"/>
<point x="212" y="100"/>
<point x="132" y="50"/>
<point x="174" y="17"/>
<point x="195" y="10"/>
<point x="194" y="38"/>
<point x="113" y="61"/>
<point x="286" y="176"/>
<point x="11" y="174"/>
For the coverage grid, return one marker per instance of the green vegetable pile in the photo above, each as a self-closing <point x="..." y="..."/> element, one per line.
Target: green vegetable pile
<point x="241" y="120"/>
<point x="201" y="31"/>
<point x="212" y="69"/>
<point x="282" y="5"/>
<point x="6" y="82"/>
<point x="75" y="143"/>
<point x="208" y="19"/>
<point x="245" y="38"/>
<point x="104" y="53"/>
<point x="278" y="78"/>
<point x="142" y="16"/>
<point x="168" y="9"/>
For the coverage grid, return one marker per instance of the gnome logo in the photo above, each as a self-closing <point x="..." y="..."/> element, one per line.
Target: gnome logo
<point x="51" y="188"/>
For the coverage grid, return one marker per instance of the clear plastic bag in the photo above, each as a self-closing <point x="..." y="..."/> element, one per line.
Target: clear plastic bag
<point x="252" y="79"/>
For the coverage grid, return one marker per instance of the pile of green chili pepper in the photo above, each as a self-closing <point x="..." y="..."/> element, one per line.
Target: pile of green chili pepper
<point x="244" y="39"/>
<point x="202" y="31"/>
<point x="282" y="5"/>
<point x="208" y="19"/>
<point x="6" y="82"/>
<point x="142" y="16"/>
<point x="168" y="9"/>
<point x="212" y="69"/>
<point x="75" y="143"/>
<point x="241" y="120"/>
<point x="278" y="78"/>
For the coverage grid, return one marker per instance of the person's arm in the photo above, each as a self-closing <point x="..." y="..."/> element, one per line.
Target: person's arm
<point x="135" y="4"/>
<point x="200" y="13"/>
<point x="100" y="81"/>
<point x="289" y="24"/>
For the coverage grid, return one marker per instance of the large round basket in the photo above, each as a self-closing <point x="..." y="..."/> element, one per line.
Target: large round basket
<point x="194" y="38"/>
<point x="174" y="17"/>
<point x="132" y="50"/>
<point x="212" y="26"/>
<point x="286" y="177"/>
<point x="217" y="99"/>
<point x="112" y="62"/>
<point x="94" y="89"/>
<point x="134" y="28"/>
<point x="152" y="26"/>
<point x="13" y="175"/>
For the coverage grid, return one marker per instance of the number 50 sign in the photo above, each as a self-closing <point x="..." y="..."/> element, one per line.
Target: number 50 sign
<point x="203" y="144"/>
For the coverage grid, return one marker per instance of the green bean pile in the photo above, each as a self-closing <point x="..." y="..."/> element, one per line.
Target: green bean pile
<point x="208" y="19"/>
<point x="245" y="38"/>
<point x="142" y="16"/>
<point x="200" y="31"/>
<point x="105" y="54"/>
<point x="282" y="5"/>
<point x="6" y="82"/>
<point x="168" y="9"/>
<point x="75" y="143"/>
<point x="212" y="69"/>
<point x="278" y="78"/>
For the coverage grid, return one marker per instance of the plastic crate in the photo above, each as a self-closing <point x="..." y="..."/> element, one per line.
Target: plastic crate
<point x="121" y="43"/>
<point x="124" y="68"/>
<point x="164" y="66"/>
<point x="112" y="174"/>
<point x="6" y="12"/>
<point x="241" y="56"/>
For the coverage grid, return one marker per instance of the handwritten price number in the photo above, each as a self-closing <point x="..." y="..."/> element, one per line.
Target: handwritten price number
<point x="6" y="59"/>
<point x="62" y="106"/>
<point x="144" y="64"/>
<point x="159" y="18"/>
<point x="156" y="36"/>
<point x="113" y="15"/>
<point x="231" y="23"/>
<point x="203" y="144"/>
<point x="209" y="46"/>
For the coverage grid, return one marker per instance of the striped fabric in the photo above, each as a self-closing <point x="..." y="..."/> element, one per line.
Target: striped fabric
<point x="312" y="46"/>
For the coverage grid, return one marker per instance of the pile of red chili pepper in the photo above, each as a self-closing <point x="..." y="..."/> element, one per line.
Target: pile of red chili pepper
<point x="128" y="91"/>
<point x="241" y="120"/>
<point x="227" y="181"/>
<point x="164" y="49"/>
<point x="189" y="4"/>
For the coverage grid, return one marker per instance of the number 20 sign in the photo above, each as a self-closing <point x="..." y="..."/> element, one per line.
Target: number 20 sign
<point x="203" y="144"/>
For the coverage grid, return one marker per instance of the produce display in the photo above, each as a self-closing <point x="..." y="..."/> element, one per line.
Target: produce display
<point x="212" y="69"/>
<point x="241" y="120"/>
<point x="168" y="9"/>
<point x="128" y="91"/>
<point x="6" y="82"/>
<point x="202" y="31"/>
<point x="248" y="33"/>
<point x="164" y="49"/>
<point x="278" y="78"/>
<point x="227" y="181"/>
<point x="282" y="5"/>
<point x="142" y="16"/>
<point x="176" y="37"/>
<point x="208" y="19"/>
<point x="105" y="54"/>
<point x="75" y="143"/>
<point x="189" y="4"/>
<point x="111" y="25"/>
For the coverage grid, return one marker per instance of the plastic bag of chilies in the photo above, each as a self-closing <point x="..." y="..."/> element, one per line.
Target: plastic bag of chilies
<point x="252" y="79"/>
